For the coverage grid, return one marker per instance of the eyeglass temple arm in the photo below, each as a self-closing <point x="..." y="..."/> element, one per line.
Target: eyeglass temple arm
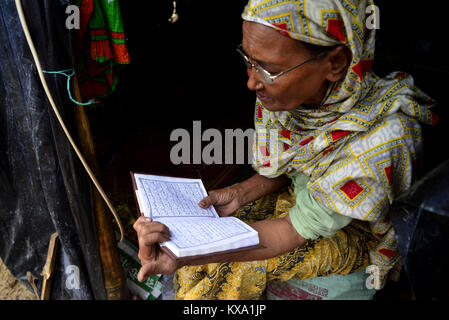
<point x="298" y="65"/>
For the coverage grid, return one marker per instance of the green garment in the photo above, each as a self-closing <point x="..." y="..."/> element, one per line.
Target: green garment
<point x="310" y="218"/>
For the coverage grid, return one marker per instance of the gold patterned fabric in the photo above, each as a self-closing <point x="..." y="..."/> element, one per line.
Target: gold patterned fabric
<point x="360" y="146"/>
<point x="346" y="252"/>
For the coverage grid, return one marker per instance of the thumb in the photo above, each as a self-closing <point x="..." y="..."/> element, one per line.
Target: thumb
<point x="208" y="201"/>
<point x="145" y="271"/>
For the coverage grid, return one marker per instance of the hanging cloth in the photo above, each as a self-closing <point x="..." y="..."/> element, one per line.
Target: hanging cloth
<point x="100" y="47"/>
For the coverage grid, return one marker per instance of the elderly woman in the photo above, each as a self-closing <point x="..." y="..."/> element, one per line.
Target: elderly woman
<point x="347" y="140"/>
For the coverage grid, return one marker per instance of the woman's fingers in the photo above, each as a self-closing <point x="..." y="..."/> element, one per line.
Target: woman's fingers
<point x="205" y="203"/>
<point x="216" y="197"/>
<point x="208" y="201"/>
<point x="145" y="225"/>
<point x="145" y="271"/>
<point x="163" y="265"/>
<point x="148" y="234"/>
<point x="140" y="222"/>
<point x="224" y="200"/>
<point x="152" y="238"/>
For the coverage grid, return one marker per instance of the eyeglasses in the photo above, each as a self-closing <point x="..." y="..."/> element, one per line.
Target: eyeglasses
<point x="269" y="77"/>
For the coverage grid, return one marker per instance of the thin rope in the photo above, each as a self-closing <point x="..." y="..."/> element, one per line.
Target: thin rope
<point x="58" y="116"/>
<point x="69" y="76"/>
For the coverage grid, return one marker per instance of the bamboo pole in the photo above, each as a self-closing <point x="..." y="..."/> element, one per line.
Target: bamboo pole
<point x="113" y="276"/>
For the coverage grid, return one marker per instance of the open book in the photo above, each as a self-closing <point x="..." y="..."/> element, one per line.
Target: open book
<point x="194" y="231"/>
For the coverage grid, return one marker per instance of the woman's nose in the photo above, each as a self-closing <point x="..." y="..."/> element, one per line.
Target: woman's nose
<point x="254" y="82"/>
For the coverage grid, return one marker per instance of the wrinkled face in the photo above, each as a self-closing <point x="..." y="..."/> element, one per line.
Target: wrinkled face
<point x="275" y="52"/>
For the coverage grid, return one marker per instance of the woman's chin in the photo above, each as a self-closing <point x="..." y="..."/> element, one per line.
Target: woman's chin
<point x="274" y="107"/>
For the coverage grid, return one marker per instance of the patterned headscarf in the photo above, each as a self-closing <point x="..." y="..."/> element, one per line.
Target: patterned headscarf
<point x="359" y="144"/>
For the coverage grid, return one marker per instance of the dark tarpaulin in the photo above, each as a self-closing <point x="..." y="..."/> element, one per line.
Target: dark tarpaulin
<point x="421" y="221"/>
<point x="43" y="187"/>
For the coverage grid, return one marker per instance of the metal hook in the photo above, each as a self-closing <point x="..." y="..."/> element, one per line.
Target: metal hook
<point x="174" y="17"/>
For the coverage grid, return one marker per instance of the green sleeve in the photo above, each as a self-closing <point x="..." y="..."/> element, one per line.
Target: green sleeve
<point x="310" y="218"/>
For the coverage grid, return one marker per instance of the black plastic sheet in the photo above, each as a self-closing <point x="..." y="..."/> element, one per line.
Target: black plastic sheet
<point x="43" y="187"/>
<point x="421" y="221"/>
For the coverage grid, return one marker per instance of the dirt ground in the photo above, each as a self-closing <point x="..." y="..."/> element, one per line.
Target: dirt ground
<point x="11" y="288"/>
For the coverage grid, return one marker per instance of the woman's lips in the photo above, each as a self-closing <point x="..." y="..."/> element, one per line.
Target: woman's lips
<point x="262" y="98"/>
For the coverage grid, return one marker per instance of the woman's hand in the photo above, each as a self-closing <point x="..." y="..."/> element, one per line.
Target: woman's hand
<point x="228" y="200"/>
<point x="225" y="201"/>
<point x="153" y="259"/>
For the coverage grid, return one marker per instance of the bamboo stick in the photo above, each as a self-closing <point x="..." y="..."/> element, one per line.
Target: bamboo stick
<point x="112" y="270"/>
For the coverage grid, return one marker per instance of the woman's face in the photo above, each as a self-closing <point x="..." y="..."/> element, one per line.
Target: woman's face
<point x="305" y="85"/>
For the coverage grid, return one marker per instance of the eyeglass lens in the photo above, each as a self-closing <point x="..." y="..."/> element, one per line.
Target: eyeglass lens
<point x="265" y="77"/>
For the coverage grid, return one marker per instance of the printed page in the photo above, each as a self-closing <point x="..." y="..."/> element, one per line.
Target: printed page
<point x="160" y="196"/>
<point x="196" y="236"/>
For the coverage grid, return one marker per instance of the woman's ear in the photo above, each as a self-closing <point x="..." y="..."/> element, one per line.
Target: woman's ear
<point x="339" y="60"/>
